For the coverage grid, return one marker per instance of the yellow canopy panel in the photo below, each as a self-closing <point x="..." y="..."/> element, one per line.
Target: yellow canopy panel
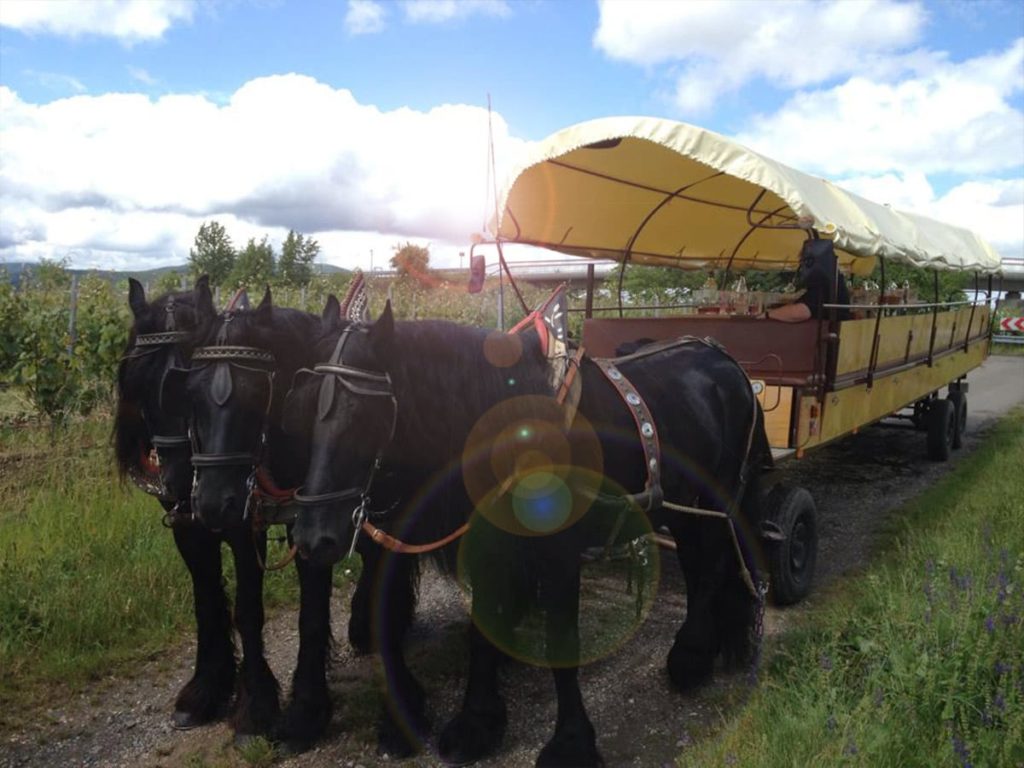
<point x="672" y="194"/>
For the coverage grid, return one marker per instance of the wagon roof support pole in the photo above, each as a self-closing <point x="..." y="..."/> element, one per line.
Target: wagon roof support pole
<point x="974" y="306"/>
<point x="754" y="225"/>
<point x="935" y="321"/>
<point x="873" y="362"/>
<point x="589" y="309"/>
<point x="666" y="199"/>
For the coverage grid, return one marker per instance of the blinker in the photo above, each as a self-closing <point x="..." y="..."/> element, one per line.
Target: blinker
<point x="220" y="388"/>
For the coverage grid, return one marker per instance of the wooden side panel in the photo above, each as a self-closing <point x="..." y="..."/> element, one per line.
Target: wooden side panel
<point x="849" y="409"/>
<point x="767" y="349"/>
<point x="777" y="403"/>
<point x="905" y="337"/>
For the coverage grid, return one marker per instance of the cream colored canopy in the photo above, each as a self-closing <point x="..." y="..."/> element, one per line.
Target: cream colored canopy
<point x="672" y="194"/>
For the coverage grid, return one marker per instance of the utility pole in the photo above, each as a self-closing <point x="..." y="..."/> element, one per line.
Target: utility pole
<point x="371" y="259"/>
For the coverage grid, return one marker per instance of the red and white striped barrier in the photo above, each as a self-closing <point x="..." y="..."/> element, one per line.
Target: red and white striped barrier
<point x="1012" y="324"/>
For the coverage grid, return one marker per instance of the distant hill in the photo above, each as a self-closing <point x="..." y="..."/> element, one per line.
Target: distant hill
<point x="15" y="270"/>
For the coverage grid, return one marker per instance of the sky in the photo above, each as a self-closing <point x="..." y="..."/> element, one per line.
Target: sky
<point x="366" y="124"/>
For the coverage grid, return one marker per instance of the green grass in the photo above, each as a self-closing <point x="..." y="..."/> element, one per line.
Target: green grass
<point x="91" y="580"/>
<point x="1008" y="350"/>
<point x="921" y="661"/>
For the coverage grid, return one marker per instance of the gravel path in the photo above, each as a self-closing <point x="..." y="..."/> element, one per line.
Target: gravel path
<point x="858" y="485"/>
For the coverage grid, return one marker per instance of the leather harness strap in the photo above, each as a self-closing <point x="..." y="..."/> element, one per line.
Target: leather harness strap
<point x="652" y="495"/>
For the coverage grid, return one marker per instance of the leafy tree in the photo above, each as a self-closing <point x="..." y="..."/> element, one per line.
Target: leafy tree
<point x="254" y="265"/>
<point x="298" y="253"/>
<point x="49" y="275"/>
<point x="661" y="284"/>
<point x="168" y="281"/>
<point x="212" y="254"/>
<point x="922" y="281"/>
<point x="412" y="261"/>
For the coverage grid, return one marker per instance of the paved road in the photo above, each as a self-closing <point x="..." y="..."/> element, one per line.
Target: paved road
<point x="995" y="388"/>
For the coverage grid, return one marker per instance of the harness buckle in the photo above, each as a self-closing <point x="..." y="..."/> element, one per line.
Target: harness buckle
<point x="358" y="518"/>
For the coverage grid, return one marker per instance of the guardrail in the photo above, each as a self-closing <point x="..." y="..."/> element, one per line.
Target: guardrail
<point x="1000" y="339"/>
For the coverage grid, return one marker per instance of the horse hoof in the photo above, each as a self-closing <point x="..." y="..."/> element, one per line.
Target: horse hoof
<point x="186" y="721"/>
<point x="552" y="757"/>
<point x="293" y="747"/>
<point x="471" y="737"/>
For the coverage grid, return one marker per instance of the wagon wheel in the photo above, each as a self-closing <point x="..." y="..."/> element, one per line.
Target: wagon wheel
<point x="941" y="429"/>
<point x="959" y="400"/>
<point x="791" y="560"/>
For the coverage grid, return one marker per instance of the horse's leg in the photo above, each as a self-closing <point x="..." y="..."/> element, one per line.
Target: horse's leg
<point x="574" y="742"/>
<point x="691" y="660"/>
<point x="737" y="611"/>
<point x="360" y="634"/>
<point x="209" y="690"/>
<point x="309" y="710"/>
<point x="257" y="705"/>
<point x="479" y="727"/>
<point x="403" y="726"/>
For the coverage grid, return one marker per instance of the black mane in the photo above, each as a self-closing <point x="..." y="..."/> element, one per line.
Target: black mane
<point x="444" y="382"/>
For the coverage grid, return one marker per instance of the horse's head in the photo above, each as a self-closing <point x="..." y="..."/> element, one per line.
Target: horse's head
<point x="347" y="407"/>
<point x="226" y="392"/>
<point x="160" y="341"/>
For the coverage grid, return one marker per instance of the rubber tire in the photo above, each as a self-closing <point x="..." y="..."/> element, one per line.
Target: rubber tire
<point x="941" y="428"/>
<point x="959" y="400"/>
<point x="791" y="562"/>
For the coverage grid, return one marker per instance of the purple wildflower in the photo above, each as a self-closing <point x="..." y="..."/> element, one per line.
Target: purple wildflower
<point x="990" y="624"/>
<point x="961" y="751"/>
<point x="830" y="724"/>
<point x="999" y="702"/>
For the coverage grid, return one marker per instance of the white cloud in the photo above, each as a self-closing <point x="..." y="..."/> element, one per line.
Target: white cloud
<point x="124" y="174"/>
<point x="54" y="81"/>
<point x="717" y="47"/>
<point x="440" y="11"/>
<point x="365" y="17"/>
<point x="143" y="76"/>
<point x="958" y="119"/>
<point x="130" y="21"/>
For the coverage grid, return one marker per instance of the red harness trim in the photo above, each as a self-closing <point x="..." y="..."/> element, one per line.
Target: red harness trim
<point x="148" y="465"/>
<point x="265" y="486"/>
<point x="538" y="323"/>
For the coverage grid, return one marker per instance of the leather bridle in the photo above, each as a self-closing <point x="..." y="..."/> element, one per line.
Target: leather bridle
<point x="147" y="344"/>
<point x="364" y="383"/>
<point x="224" y="357"/>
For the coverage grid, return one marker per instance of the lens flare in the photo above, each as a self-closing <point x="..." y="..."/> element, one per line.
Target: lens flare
<point x="541" y="502"/>
<point x="504" y="573"/>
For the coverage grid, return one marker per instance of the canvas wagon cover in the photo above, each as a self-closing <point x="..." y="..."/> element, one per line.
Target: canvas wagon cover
<point x="673" y="194"/>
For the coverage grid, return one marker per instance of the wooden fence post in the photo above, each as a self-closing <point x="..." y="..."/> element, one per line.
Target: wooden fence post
<point x="73" y="316"/>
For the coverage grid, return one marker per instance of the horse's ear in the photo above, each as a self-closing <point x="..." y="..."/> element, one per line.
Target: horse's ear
<point x="382" y="332"/>
<point x="204" y="300"/>
<point x="136" y="297"/>
<point x="265" y="311"/>
<point x="332" y="313"/>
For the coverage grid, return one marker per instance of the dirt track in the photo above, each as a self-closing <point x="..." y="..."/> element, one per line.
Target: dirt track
<point x="857" y="484"/>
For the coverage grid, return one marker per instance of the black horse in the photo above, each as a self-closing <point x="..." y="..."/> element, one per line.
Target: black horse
<point x="232" y="395"/>
<point x="430" y="399"/>
<point x="160" y="339"/>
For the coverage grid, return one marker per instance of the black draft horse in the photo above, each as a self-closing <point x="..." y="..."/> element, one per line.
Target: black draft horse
<point x="232" y="396"/>
<point x="160" y="339"/>
<point x="407" y="398"/>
